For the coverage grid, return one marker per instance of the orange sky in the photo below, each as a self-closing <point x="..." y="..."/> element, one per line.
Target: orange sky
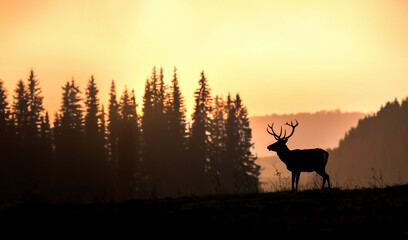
<point x="281" y="56"/>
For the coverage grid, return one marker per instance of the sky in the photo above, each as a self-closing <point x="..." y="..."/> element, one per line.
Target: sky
<point x="280" y="56"/>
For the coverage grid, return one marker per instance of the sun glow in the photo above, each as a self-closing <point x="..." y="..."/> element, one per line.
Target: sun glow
<point x="295" y="55"/>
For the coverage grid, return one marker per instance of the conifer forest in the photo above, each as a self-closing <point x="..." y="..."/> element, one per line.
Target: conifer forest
<point x="92" y="153"/>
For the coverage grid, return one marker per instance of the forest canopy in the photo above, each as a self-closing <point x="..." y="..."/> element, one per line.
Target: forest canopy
<point x="90" y="153"/>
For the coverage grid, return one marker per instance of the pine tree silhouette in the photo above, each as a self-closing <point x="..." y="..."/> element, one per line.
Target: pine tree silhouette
<point x="237" y="170"/>
<point x="113" y="120"/>
<point x="217" y="140"/>
<point x="230" y="164"/>
<point x="155" y="135"/>
<point x="199" y="145"/>
<point x="35" y="163"/>
<point x="91" y="116"/>
<point x="4" y="111"/>
<point x="95" y="160"/>
<point x="35" y="106"/>
<point x="28" y="149"/>
<point x="22" y="167"/>
<point x="7" y="144"/>
<point x="176" y="141"/>
<point x="20" y="111"/>
<point x="69" y="147"/>
<point x="147" y="137"/>
<point x="128" y="145"/>
<point x="248" y="169"/>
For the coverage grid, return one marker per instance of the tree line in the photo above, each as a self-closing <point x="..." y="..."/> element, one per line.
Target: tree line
<point x="375" y="152"/>
<point x="91" y="154"/>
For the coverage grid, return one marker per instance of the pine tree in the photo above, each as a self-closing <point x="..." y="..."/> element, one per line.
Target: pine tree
<point x="94" y="142"/>
<point x="155" y="135"/>
<point x="107" y="180"/>
<point x="102" y="135"/>
<point x="71" y="109"/>
<point x="248" y="163"/>
<point x="35" y="107"/>
<point x="147" y="110"/>
<point x="240" y="172"/>
<point x="27" y="113"/>
<point x="6" y="128"/>
<point x="176" y="141"/>
<point x="230" y="162"/>
<point x="91" y="116"/>
<point x="161" y="89"/>
<point x="217" y="142"/>
<point x="22" y="172"/>
<point x="147" y="122"/>
<point x="199" y="141"/>
<point x="20" y="111"/>
<point x="7" y="173"/>
<point x="128" y="145"/>
<point x="35" y="163"/>
<point x="69" y="144"/>
<point x="4" y="115"/>
<point x="92" y="121"/>
<point x="176" y="115"/>
<point x="113" y="121"/>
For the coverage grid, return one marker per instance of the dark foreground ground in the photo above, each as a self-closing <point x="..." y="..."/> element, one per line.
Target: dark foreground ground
<point x="355" y="214"/>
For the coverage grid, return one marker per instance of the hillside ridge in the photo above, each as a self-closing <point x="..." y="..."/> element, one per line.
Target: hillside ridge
<point x="336" y="213"/>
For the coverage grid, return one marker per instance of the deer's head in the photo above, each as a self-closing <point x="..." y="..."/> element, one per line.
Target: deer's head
<point x="281" y="140"/>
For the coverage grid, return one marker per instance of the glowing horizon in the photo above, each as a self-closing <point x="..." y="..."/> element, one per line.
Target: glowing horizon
<point x="281" y="57"/>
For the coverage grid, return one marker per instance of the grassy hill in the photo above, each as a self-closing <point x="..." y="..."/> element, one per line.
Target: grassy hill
<point x="365" y="213"/>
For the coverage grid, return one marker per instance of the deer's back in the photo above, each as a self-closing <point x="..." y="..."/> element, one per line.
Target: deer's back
<point x="307" y="160"/>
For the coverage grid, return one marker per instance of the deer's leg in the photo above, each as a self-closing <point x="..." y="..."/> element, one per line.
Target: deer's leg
<point x="328" y="180"/>
<point x="324" y="182"/>
<point x="297" y="180"/>
<point x="293" y="180"/>
<point x="322" y="174"/>
<point x="325" y="177"/>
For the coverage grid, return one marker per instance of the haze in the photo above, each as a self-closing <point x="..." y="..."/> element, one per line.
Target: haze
<point x="281" y="56"/>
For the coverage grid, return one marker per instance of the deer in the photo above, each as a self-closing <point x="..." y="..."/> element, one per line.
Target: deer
<point x="299" y="160"/>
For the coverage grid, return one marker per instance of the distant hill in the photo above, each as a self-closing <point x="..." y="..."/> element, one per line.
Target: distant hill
<point x="321" y="129"/>
<point x="376" y="150"/>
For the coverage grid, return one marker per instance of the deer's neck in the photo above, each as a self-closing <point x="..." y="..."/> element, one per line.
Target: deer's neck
<point x="283" y="153"/>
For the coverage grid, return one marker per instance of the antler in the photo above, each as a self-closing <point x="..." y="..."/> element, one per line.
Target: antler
<point x="273" y="132"/>
<point x="293" y="129"/>
<point x="279" y="137"/>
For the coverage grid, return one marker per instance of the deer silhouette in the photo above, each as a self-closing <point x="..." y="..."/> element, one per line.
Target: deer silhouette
<point x="299" y="160"/>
